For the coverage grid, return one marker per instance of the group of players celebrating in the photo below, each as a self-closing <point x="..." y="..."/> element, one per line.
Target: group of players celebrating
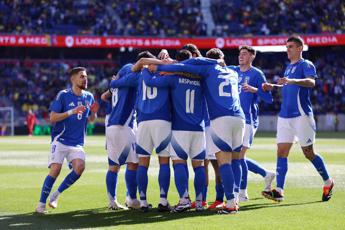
<point x="196" y="107"/>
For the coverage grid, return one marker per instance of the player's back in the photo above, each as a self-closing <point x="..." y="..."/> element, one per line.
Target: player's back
<point x="153" y="103"/>
<point x="71" y="131"/>
<point x="296" y="99"/>
<point x="188" y="104"/>
<point x="221" y="92"/>
<point x="123" y="100"/>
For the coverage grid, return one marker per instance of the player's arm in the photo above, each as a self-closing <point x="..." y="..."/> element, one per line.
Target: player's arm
<point x="200" y="70"/>
<point x="56" y="117"/>
<point x="106" y="95"/>
<point x="264" y="95"/>
<point x="308" y="82"/>
<point x="148" y="61"/>
<point x="129" y="80"/>
<point x="152" y="81"/>
<point x="93" y="112"/>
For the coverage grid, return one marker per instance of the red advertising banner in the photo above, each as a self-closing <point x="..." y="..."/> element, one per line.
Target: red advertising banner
<point x="168" y="43"/>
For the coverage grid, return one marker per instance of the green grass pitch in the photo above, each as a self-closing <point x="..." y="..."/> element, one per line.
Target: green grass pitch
<point x="23" y="162"/>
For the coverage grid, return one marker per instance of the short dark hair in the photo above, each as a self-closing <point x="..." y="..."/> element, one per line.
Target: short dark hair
<point x="215" y="53"/>
<point x="183" y="54"/>
<point x="250" y="49"/>
<point x="296" y="39"/>
<point x="193" y="49"/>
<point x="76" y="70"/>
<point x="145" y="54"/>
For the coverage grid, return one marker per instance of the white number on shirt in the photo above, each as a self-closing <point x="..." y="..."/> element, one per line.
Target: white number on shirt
<point x="149" y="92"/>
<point x="114" y="97"/>
<point x="221" y="88"/>
<point x="190" y="95"/>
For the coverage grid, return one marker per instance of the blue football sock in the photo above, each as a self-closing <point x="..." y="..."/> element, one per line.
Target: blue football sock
<point x="142" y="181"/>
<point x="227" y="180"/>
<point x="320" y="167"/>
<point x="204" y="193"/>
<point x="237" y="170"/>
<point x="111" y="182"/>
<point x="131" y="183"/>
<point x="68" y="181"/>
<point x="181" y="181"/>
<point x="254" y="167"/>
<point x="219" y="192"/>
<point x="46" y="188"/>
<point x="282" y="168"/>
<point x="187" y="173"/>
<point x="244" y="179"/>
<point x="164" y="180"/>
<point x="199" y="182"/>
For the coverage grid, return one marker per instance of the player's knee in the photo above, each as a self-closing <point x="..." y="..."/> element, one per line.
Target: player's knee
<point x="196" y="163"/>
<point x="164" y="160"/>
<point x="282" y="152"/>
<point x="308" y="152"/>
<point x="132" y="166"/>
<point x="79" y="168"/>
<point x="114" y="168"/>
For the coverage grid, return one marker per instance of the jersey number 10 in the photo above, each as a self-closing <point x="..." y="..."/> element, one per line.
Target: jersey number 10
<point x="149" y="92"/>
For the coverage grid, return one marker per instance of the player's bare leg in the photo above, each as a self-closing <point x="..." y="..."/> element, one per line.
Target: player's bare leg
<point x="78" y="166"/>
<point x="54" y="172"/>
<point x="319" y="165"/>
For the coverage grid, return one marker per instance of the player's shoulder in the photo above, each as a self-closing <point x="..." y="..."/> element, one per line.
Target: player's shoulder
<point x="87" y="94"/>
<point x="233" y="67"/>
<point x="62" y="93"/>
<point x="257" y="71"/>
<point x="307" y="63"/>
<point x="126" y="69"/>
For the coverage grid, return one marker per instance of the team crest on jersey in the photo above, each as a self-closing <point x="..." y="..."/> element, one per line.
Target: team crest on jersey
<point x="293" y="69"/>
<point x="239" y="79"/>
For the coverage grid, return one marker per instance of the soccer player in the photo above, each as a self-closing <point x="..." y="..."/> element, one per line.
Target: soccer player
<point x="296" y="118"/>
<point x="227" y="119"/>
<point x="120" y="140"/>
<point x="250" y="85"/>
<point x="210" y="150"/>
<point x="70" y="111"/>
<point x="153" y="133"/>
<point x="188" y="138"/>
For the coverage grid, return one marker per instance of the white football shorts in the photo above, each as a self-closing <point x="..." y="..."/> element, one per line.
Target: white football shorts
<point x="301" y="129"/>
<point x="153" y="135"/>
<point x="120" y="145"/>
<point x="60" y="151"/>
<point x="187" y="143"/>
<point x="227" y="133"/>
<point x="249" y="132"/>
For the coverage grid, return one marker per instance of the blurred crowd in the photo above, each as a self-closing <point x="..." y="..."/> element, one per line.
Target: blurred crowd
<point x="106" y="17"/>
<point x="277" y="17"/>
<point x="179" y="18"/>
<point x="34" y="84"/>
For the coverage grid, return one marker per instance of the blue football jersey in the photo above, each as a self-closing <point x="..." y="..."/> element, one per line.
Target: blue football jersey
<point x="187" y="100"/>
<point x="220" y="85"/>
<point x="123" y="99"/>
<point x="71" y="131"/>
<point x="296" y="99"/>
<point x="153" y="103"/>
<point x="249" y="101"/>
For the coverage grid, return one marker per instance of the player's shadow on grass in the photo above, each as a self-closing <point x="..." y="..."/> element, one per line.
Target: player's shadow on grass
<point x="92" y="218"/>
<point x="273" y="204"/>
